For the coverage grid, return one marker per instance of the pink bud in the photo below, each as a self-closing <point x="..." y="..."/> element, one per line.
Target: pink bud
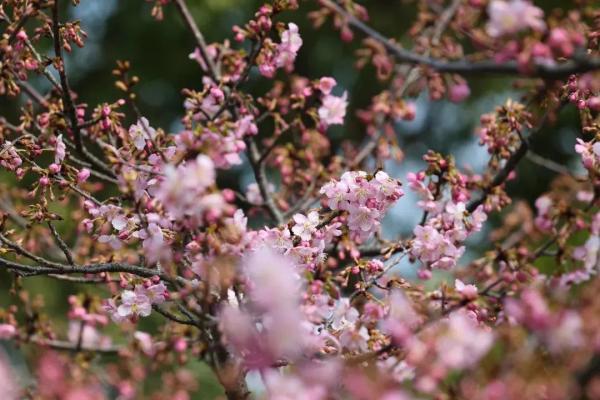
<point x="180" y="345"/>
<point x="594" y="103"/>
<point x="54" y="168"/>
<point x="44" y="181"/>
<point x="459" y="92"/>
<point x="217" y="94"/>
<point x="326" y="84"/>
<point x="346" y="34"/>
<point x="559" y="41"/>
<point x="83" y="175"/>
<point x="424" y="274"/>
<point x="410" y="112"/>
<point x="228" y="195"/>
<point x="22" y="35"/>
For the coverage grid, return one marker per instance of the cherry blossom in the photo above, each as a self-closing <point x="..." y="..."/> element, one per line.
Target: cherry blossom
<point x="512" y="16"/>
<point x="333" y="109"/>
<point x="134" y="304"/>
<point x="305" y="225"/>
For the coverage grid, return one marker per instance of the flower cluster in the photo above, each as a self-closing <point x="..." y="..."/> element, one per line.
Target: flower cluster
<point x="365" y="198"/>
<point x="292" y="277"/>
<point x="590" y="154"/>
<point x="283" y="54"/>
<point x="333" y="108"/>
<point x="268" y="326"/>
<point x="182" y="191"/>
<point x="438" y="240"/>
<point x="139" y="301"/>
<point x="512" y="16"/>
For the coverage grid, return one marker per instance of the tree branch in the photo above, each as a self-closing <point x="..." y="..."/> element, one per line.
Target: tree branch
<point x="200" y="41"/>
<point x="67" y="98"/>
<point x="540" y="69"/>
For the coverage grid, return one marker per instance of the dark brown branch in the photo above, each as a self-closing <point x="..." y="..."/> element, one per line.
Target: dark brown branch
<point x="61" y="243"/>
<point x="510" y="164"/>
<point x="40" y="270"/>
<point x="69" y="346"/>
<point x="170" y="316"/>
<point x="501" y="177"/>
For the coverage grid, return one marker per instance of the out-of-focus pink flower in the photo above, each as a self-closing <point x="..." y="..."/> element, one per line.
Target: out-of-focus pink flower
<point x="90" y="336"/>
<point x="7" y="331"/>
<point x="401" y="319"/>
<point x="333" y="109"/>
<point x="9" y="386"/>
<point x="467" y="291"/>
<point x="60" y="150"/>
<point x="463" y="343"/>
<point x="459" y="92"/>
<point x="289" y="387"/>
<point x="287" y="50"/>
<point x="140" y="132"/>
<point x="512" y="16"/>
<point x="183" y="187"/>
<point x="83" y="175"/>
<point x="326" y="84"/>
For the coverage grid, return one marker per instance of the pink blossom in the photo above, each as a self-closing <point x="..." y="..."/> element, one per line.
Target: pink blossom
<point x="366" y="201"/>
<point x="568" y="334"/>
<point x="326" y="84"/>
<point x="512" y="16"/>
<point x="289" y="387"/>
<point x="183" y="186"/>
<point x="112" y="240"/>
<point x="90" y="337"/>
<point x="83" y="175"/>
<point x="363" y="218"/>
<point x="59" y="150"/>
<point x="305" y="225"/>
<point x="467" y="291"/>
<point x="145" y="342"/>
<point x="401" y="319"/>
<point x="459" y="92"/>
<point x="156" y="293"/>
<point x="333" y="109"/>
<point x="134" y="304"/>
<point x="344" y="315"/>
<point x="287" y="50"/>
<point x="463" y="343"/>
<point x="355" y="338"/>
<point x="274" y="302"/>
<point x="7" y="331"/>
<point x="140" y="132"/>
<point x="9" y="386"/>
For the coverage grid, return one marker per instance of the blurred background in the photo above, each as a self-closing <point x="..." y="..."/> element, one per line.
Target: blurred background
<point x="158" y="52"/>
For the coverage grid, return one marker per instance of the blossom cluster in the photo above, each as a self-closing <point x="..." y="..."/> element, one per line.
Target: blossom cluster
<point x="256" y="234"/>
<point x="138" y="302"/>
<point x="365" y="198"/>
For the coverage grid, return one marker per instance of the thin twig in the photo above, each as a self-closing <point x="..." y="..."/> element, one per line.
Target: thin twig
<point x="201" y="42"/>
